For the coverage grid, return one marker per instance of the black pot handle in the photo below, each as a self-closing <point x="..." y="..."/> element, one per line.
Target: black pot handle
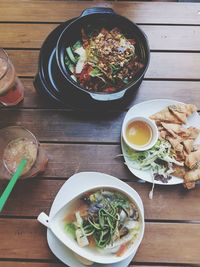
<point x="94" y="10"/>
<point x="108" y="97"/>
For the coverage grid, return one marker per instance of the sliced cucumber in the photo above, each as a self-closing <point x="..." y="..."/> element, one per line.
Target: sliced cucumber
<point x="69" y="64"/>
<point x="70" y="54"/>
<point x="71" y="68"/>
<point x="67" y="61"/>
<point x="76" y="45"/>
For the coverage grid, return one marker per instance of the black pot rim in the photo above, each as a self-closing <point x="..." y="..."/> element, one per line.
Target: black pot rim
<point x="75" y="84"/>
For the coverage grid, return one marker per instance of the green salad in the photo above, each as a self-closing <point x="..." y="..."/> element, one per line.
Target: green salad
<point x="159" y="160"/>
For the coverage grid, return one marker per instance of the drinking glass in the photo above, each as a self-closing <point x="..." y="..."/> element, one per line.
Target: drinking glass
<point x="11" y="88"/>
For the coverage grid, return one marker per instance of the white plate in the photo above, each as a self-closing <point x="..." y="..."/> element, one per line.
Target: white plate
<point x="72" y="187"/>
<point x="148" y="108"/>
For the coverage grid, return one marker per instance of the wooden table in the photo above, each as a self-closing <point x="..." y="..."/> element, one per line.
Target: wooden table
<point x="77" y="141"/>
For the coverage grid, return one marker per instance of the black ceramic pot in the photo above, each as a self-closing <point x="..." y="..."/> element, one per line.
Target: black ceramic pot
<point x="107" y="18"/>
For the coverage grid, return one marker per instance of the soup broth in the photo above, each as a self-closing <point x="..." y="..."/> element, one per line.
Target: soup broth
<point x="103" y="220"/>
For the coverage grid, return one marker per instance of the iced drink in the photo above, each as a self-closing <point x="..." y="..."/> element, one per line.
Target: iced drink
<point x="11" y="88"/>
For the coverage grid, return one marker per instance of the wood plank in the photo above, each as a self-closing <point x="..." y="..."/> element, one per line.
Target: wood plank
<point x="28" y="240"/>
<point x="170" y="243"/>
<point x="58" y="11"/>
<point x="160" y="240"/>
<point x="25" y="62"/>
<point x="30" y="264"/>
<point x="67" y="159"/>
<point x="70" y="126"/>
<point x="24" y="35"/>
<point x="174" y="66"/>
<point x="148" y="90"/>
<point x="185" y="65"/>
<point x="41" y="264"/>
<point x="169" y="38"/>
<point x="31" y="98"/>
<point x="160" y="37"/>
<point x="30" y="197"/>
<point x="67" y="126"/>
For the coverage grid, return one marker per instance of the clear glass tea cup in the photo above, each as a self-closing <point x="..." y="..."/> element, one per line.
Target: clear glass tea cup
<point x="11" y="88"/>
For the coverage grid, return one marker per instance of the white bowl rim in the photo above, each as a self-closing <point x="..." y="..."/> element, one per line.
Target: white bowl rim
<point x="101" y="259"/>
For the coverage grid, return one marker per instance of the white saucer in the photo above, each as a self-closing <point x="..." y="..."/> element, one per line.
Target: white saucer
<point x="72" y="187"/>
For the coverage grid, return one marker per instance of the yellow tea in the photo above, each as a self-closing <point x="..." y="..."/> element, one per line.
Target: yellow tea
<point x="138" y="133"/>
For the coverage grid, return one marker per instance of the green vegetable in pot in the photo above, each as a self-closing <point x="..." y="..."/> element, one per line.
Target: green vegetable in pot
<point x="70" y="54"/>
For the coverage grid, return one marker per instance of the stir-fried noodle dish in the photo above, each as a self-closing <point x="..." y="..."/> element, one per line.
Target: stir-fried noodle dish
<point x="103" y="60"/>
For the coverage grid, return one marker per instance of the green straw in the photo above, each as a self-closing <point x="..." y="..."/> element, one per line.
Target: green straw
<point x="12" y="183"/>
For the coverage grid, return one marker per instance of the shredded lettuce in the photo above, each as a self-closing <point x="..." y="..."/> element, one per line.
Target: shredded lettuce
<point x="158" y="159"/>
<point x="70" y="54"/>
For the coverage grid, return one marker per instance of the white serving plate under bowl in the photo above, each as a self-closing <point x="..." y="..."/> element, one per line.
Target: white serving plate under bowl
<point x="154" y="132"/>
<point x="55" y="223"/>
